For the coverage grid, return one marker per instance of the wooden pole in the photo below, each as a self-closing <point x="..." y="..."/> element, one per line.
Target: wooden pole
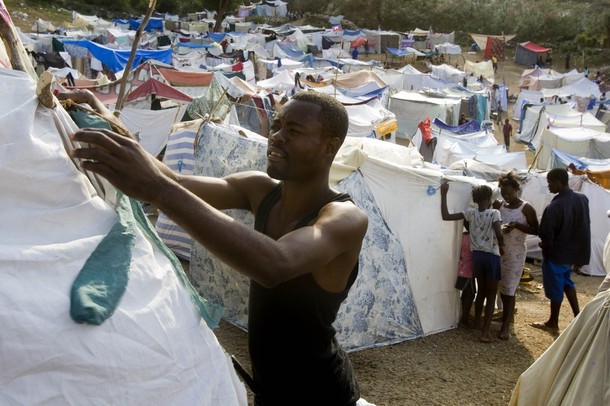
<point x="535" y="159"/>
<point x="134" y="49"/>
<point x="16" y="52"/>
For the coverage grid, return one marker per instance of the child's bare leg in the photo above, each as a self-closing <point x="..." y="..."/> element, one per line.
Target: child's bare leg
<point x="508" y="303"/>
<point x="467" y="299"/>
<point x="478" y="304"/>
<point x="491" y="289"/>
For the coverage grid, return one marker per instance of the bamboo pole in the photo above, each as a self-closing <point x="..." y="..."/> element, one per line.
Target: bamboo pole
<point x="132" y="55"/>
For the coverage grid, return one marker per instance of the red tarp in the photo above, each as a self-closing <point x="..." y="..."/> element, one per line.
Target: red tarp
<point x="534" y="48"/>
<point x="178" y="78"/>
<point x="161" y="90"/>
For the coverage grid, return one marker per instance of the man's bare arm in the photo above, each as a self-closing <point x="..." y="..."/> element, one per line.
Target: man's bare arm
<point x="338" y="231"/>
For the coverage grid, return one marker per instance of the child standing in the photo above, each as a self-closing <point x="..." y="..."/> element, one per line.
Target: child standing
<point x="486" y="244"/>
<point x="465" y="280"/>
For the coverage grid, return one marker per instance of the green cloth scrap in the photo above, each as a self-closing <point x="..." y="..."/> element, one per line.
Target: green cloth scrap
<point x="85" y="119"/>
<point x="98" y="288"/>
<point x="210" y="312"/>
<point x="100" y="284"/>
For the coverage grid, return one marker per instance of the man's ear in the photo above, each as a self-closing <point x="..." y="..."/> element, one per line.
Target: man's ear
<point x="332" y="145"/>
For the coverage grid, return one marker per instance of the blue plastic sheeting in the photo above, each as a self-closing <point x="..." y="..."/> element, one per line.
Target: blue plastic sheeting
<point x="352" y="33"/>
<point x="116" y="59"/>
<point x="217" y="36"/>
<point x="291" y="50"/>
<point x="560" y="159"/>
<point x="472" y="126"/>
<point x="309" y="58"/>
<point x="154" y="24"/>
<point x="365" y="92"/>
<point x="398" y="52"/>
<point x="194" y="45"/>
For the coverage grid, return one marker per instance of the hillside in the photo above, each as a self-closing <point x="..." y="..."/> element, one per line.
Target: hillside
<point x="561" y="24"/>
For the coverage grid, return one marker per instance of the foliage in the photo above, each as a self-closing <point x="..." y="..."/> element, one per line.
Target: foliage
<point x="561" y="24"/>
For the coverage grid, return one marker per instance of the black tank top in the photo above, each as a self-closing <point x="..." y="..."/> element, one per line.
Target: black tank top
<point x="296" y="359"/>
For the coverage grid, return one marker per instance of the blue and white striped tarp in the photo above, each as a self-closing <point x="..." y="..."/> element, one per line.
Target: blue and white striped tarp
<point x="179" y="157"/>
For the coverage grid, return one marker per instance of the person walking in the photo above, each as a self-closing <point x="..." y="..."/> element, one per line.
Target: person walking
<point x="565" y="239"/>
<point x="507" y="131"/>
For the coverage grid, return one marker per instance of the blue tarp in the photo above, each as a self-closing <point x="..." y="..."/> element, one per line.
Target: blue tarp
<point x="291" y="50"/>
<point x="398" y="52"/>
<point x="116" y="59"/>
<point x="364" y="92"/>
<point x="217" y="36"/>
<point x="472" y="126"/>
<point x="309" y="58"/>
<point x="352" y="33"/>
<point x="154" y="24"/>
<point x="194" y="45"/>
<point x="560" y="159"/>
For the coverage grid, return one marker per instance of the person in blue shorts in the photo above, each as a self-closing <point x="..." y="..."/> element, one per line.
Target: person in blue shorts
<point x="565" y="239"/>
<point x="486" y="242"/>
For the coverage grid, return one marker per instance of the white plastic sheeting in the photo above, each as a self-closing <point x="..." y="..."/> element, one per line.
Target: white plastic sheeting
<point x="539" y="117"/>
<point x="577" y="141"/>
<point x="412" y="108"/>
<point x="152" y="126"/>
<point x="154" y="350"/>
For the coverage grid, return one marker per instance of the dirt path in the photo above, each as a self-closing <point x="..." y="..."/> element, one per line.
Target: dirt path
<point x="450" y="368"/>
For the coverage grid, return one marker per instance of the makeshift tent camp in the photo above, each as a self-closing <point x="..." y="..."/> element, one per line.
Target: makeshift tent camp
<point x="528" y="53"/>
<point x="399" y="293"/>
<point x="60" y="235"/>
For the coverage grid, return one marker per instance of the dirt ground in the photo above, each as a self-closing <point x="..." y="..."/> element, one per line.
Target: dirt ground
<point x="452" y="367"/>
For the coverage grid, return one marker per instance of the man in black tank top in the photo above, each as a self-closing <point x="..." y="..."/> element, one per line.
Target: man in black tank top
<point x="302" y="257"/>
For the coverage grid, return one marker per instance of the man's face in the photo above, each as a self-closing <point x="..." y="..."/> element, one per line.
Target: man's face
<point x="296" y="142"/>
<point x="553" y="185"/>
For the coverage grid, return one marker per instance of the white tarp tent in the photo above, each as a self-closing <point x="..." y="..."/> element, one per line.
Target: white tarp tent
<point x="155" y="348"/>
<point x="539" y="117"/>
<point x="412" y="108"/>
<point x="578" y="141"/>
<point x="447" y="73"/>
<point x="526" y="96"/>
<point x="478" y="69"/>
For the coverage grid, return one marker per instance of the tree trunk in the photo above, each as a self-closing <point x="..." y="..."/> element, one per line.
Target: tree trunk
<point x="220" y="15"/>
